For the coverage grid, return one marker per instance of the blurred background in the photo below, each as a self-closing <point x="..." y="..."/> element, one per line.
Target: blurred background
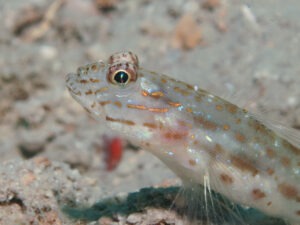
<point x="53" y="154"/>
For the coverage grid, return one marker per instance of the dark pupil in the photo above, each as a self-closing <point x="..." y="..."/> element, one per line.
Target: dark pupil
<point x="121" y="77"/>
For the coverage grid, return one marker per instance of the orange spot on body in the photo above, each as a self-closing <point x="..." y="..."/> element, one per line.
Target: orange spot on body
<point x="270" y="171"/>
<point x="103" y="103"/>
<point x="182" y="91"/>
<point x="206" y="123"/>
<point x="175" y="104"/>
<point x="239" y="137"/>
<point x="150" y="125"/>
<point x="192" y="162"/>
<point x="219" y="107"/>
<point x="226" y="127"/>
<point x="144" y="93"/>
<point x="285" y="161"/>
<point x="159" y="110"/>
<point x="243" y="164"/>
<point x="157" y="94"/>
<point x="132" y="106"/>
<point x="226" y="179"/>
<point x="118" y="104"/>
<point x="163" y="80"/>
<point x="258" y="194"/>
<point x="270" y="153"/>
<point x="231" y="108"/>
<point x="127" y="122"/>
<point x="175" y="135"/>
<point x="238" y="121"/>
<point x="287" y="190"/>
<point x="189" y="110"/>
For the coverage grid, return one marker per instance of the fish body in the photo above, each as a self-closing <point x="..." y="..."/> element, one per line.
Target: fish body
<point x="196" y="134"/>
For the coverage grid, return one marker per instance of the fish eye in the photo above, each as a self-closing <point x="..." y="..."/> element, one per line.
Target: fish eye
<point x="121" y="77"/>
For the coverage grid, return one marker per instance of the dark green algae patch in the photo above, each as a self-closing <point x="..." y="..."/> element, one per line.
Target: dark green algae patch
<point x="194" y="208"/>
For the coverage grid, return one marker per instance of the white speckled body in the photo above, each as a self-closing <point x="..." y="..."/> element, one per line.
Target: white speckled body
<point x="195" y="133"/>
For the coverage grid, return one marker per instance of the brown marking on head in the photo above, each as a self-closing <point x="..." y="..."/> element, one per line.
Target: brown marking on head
<point x="158" y="110"/>
<point x="243" y="164"/>
<point x="240" y="137"/>
<point x="94" y="80"/>
<point x="83" y="81"/>
<point x="118" y="104"/>
<point x="150" y="125"/>
<point x="144" y="93"/>
<point x="269" y="203"/>
<point x="124" y="57"/>
<point x="270" y="153"/>
<point x="258" y="194"/>
<point x="298" y="213"/>
<point x="103" y="89"/>
<point x="285" y="161"/>
<point x="192" y="162"/>
<point x="270" y="171"/>
<point x="89" y="92"/>
<point x="189" y="110"/>
<point x="157" y="94"/>
<point x="175" y="104"/>
<point x="288" y="191"/>
<point x="147" y="144"/>
<point x="103" y="103"/>
<point x="94" y="67"/>
<point x="163" y="80"/>
<point x="226" y="179"/>
<point x="231" y="108"/>
<point x="226" y="127"/>
<point x="219" y="107"/>
<point x="206" y="123"/>
<point x="126" y="122"/>
<point x="132" y="106"/>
